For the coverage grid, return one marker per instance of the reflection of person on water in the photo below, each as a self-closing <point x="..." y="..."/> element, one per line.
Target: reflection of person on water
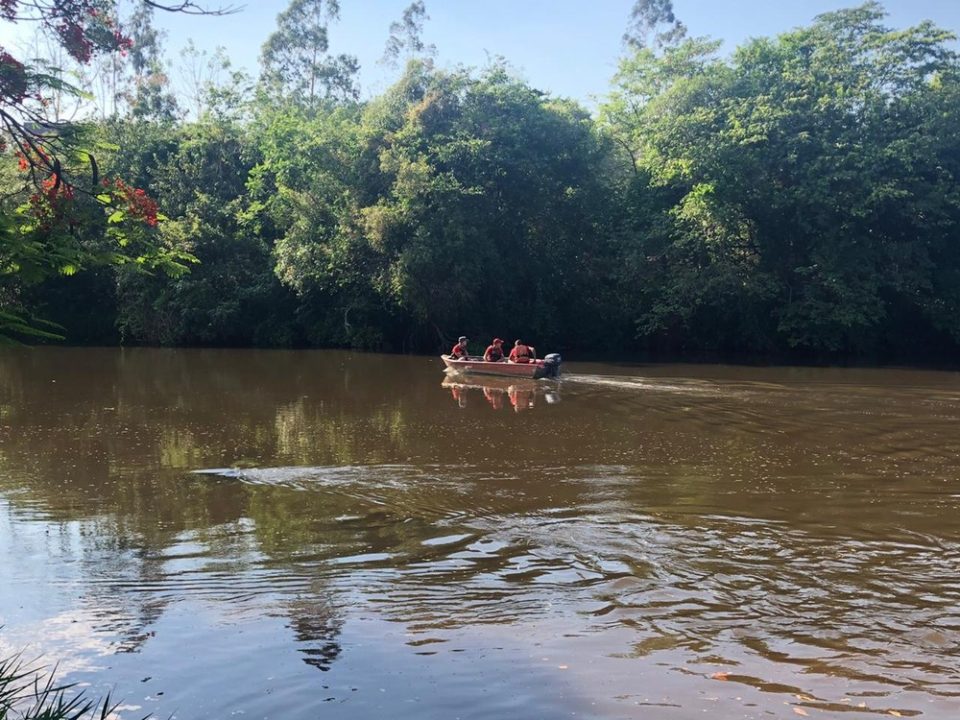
<point x="494" y="396"/>
<point x="522" y="353"/>
<point x="494" y="351"/>
<point x="520" y="398"/>
<point x="459" y="351"/>
<point x="459" y="395"/>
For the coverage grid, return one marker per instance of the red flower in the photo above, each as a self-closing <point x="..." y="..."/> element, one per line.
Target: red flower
<point x="139" y="205"/>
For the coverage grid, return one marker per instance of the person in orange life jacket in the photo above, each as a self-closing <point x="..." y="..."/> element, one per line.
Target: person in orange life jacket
<point x="494" y="352"/>
<point x="522" y="353"/>
<point x="459" y="351"/>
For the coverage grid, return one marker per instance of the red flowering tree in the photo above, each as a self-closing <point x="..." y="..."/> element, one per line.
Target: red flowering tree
<point x="71" y="217"/>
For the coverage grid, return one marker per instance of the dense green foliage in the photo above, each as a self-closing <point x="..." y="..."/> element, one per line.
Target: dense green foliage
<point x="809" y="186"/>
<point x="451" y="201"/>
<point x="799" y="198"/>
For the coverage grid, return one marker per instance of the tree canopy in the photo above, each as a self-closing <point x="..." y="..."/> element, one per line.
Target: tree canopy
<point x="797" y="198"/>
<point x="812" y="182"/>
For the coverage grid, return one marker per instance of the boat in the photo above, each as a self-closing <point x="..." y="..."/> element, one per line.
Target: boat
<point x="548" y="367"/>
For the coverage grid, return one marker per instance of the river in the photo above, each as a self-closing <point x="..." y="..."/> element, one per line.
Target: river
<point x="303" y="534"/>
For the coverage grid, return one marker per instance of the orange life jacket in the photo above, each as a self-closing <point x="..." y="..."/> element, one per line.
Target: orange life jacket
<point x="520" y="352"/>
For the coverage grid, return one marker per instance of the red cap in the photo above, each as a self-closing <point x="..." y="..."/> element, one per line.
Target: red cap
<point x="497" y="340"/>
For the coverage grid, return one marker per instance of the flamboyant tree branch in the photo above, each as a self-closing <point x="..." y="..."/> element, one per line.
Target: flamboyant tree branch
<point x="191" y="8"/>
<point x="85" y="29"/>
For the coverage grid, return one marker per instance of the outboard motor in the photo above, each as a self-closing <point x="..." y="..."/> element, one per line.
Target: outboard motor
<point x="551" y="365"/>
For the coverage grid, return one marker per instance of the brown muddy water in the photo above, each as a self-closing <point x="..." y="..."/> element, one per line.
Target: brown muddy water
<point x="217" y="534"/>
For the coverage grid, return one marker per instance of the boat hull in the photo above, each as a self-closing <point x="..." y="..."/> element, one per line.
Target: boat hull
<point x="535" y="370"/>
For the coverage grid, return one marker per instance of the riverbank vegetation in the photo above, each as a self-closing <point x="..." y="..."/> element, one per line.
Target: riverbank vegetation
<point x="30" y="693"/>
<point x="795" y="198"/>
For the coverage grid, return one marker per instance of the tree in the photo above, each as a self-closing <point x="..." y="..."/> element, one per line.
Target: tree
<point x="809" y="188"/>
<point x="85" y="29"/>
<point x="296" y="61"/>
<point x="151" y="97"/>
<point x="72" y="217"/>
<point x="653" y="24"/>
<point x="231" y="297"/>
<point x="305" y="195"/>
<point x="213" y="86"/>
<point x="454" y="199"/>
<point x="406" y="35"/>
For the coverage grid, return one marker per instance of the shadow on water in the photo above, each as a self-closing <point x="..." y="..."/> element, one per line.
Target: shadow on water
<point x="719" y="540"/>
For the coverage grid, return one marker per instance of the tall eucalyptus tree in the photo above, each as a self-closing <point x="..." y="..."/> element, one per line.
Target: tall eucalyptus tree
<point x="296" y="60"/>
<point x="406" y="35"/>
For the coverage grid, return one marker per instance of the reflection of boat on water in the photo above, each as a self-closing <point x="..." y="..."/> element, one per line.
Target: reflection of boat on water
<point x="548" y="367"/>
<point x="520" y="393"/>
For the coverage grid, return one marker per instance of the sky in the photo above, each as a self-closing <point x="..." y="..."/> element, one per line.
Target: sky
<point x="568" y="48"/>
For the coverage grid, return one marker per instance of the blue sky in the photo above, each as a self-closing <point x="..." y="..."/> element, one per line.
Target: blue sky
<point x="566" y="47"/>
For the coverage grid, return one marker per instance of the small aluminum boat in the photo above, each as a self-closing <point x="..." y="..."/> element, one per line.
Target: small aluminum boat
<point x="548" y="367"/>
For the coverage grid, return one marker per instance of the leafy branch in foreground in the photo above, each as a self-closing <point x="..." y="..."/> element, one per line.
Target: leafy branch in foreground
<point x="13" y="324"/>
<point x="60" y="215"/>
<point x="85" y="29"/>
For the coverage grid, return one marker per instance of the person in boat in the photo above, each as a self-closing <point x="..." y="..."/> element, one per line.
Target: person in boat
<point x="522" y="353"/>
<point x="494" y="351"/>
<point x="459" y="351"/>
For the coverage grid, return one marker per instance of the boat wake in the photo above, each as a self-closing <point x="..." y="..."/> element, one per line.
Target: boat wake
<point x="302" y="478"/>
<point x="686" y="386"/>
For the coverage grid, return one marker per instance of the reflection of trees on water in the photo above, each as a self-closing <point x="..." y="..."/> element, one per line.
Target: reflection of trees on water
<point x="316" y="625"/>
<point x="104" y="449"/>
<point x="107" y="447"/>
<point x="126" y="582"/>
